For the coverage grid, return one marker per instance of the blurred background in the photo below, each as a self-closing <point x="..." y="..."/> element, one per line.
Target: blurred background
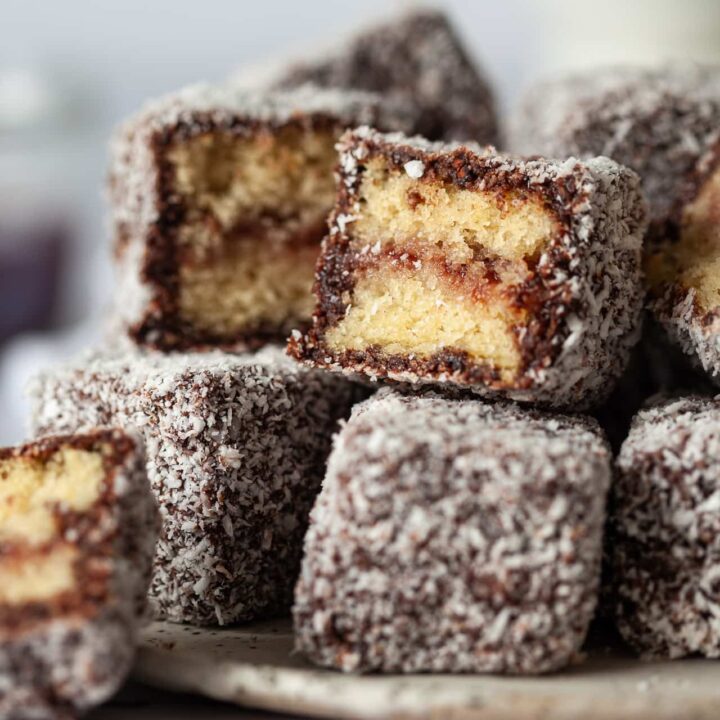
<point x="70" y="70"/>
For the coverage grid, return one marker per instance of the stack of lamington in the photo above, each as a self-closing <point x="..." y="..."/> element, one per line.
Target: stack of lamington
<point x="220" y="197"/>
<point x="461" y="519"/>
<point x="663" y="543"/>
<point x="455" y="533"/>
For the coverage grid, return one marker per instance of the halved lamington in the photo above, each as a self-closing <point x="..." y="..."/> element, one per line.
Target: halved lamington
<point x="665" y="124"/>
<point x="683" y="271"/>
<point x="419" y="58"/>
<point x="454" y="536"/>
<point x="78" y="524"/>
<point x="219" y="201"/>
<point x="236" y="449"/>
<point x="664" y="539"/>
<point x="453" y="264"/>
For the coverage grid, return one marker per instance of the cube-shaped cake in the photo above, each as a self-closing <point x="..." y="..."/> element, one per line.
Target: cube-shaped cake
<point x="78" y="524"/>
<point x="454" y="536"/>
<point x="219" y="201"/>
<point x="684" y="272"/>
<point x="453" y="264"/>
<point x="664" y="540"/>
<point x="236" y="449"/>
<point x="418" y="57"/>
<point x="658" y="121"/>
<point x="664" y="123"/>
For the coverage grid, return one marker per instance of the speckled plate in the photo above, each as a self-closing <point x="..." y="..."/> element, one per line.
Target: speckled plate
<point x="254" y="666"/>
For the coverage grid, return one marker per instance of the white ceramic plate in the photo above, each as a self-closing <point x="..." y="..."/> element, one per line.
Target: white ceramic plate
<point x="254" y="665"/>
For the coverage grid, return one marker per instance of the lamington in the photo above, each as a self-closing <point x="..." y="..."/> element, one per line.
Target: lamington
<point x="665" y="124"/>
<point x="417" y="57"/>
<point x="664" y="530"/>
<point x="236" y="448"/>
<point x="657" y="367"/>
<point x="219" y="201"/>
<point x="78" y="524"/>
<point x="452" y="264"/>
<point x="684" y="275"/>
<point x="452" y="535"/>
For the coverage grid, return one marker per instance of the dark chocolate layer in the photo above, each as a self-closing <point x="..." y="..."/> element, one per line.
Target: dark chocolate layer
<point x="582" y="297"/>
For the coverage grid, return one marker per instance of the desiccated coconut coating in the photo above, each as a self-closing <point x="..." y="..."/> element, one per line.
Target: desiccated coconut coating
<point x="417" y="57"/>
<point x="694" y="329"/>
<point x="665" y="124"/>
<point x="236" y="452"/>
<point x="453" y="536"/>
<point x="664" y="541"/>
<point x="219" y="198"/>
<point x="657" y="368"/>
<point x="78" y="524"/>
<point x="452" y="264"/>
<point x="660" y="122"/>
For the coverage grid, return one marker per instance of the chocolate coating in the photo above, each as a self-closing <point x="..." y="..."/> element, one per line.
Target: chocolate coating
<point x="584" y="295"/>
<point x="417" y="57"/>
<point x="71" y="652"/>
<point x="454" y="536"/>
<point x="664" y="541"/>
<point x="236" y="452"/>
<point x="656" y="367"/>
<point x="663" y="123"/>
<point x="147" y="212"/>
<point x="694" y="330"/>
